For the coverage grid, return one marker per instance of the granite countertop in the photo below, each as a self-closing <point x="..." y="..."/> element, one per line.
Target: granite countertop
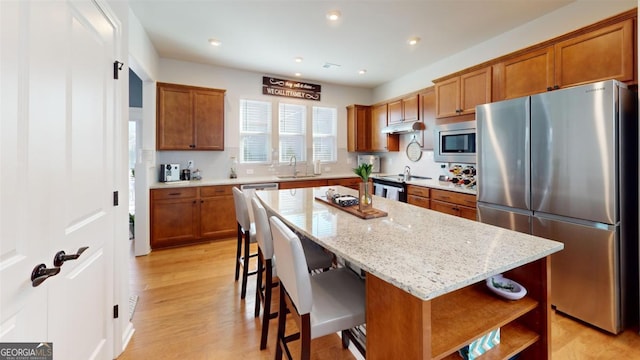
<point x="249" y="180"/>
<point x="433" y="183"/>
<point x="423" y="252"/>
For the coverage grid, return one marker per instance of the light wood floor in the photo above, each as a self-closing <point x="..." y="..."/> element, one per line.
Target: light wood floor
<point x="189" y="308"/>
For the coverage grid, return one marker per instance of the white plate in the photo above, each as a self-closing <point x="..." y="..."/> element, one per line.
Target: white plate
<point x="506" y="288"/>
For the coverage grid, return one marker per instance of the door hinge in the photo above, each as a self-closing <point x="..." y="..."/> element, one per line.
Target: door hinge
<point x="115" y="311"/>
<point x="115" y="198"/>
<point x="117" y="66"/>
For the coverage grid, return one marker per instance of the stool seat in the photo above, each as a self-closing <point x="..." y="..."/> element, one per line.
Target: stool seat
<point x="246" y="236"/>
<point x="341" y="304"/>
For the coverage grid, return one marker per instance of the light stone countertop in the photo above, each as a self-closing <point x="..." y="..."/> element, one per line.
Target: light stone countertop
<point x="423" y="252"/>
<point x="431" y="183"/>
<point x="249" y="180"/>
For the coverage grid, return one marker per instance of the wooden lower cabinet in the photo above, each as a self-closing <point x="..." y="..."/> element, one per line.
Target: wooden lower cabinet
<point x="174" y="217"/>
<point x="182" y="216"/>
<point x="347" y="182"/>
<point x="217" y="212"/>
<point x="419" y="196"/>
<point x="454" y="203"/>
<point x="302" y="184"/>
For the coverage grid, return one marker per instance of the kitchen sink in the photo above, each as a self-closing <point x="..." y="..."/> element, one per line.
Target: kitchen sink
<point x="295" y="176"/>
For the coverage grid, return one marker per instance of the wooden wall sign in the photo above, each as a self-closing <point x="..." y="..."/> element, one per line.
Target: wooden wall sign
<point x="290" y="88"/>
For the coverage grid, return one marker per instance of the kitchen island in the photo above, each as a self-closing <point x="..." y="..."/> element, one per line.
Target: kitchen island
<point x="424" y="275"/>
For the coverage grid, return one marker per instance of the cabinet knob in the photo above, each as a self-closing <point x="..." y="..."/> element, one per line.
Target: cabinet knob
<point x="556" y="87"/>
<point x="549" y="88"/>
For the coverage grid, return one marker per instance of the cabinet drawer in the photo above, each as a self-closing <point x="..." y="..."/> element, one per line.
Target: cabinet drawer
<point x="419" y="201"/>
<point x="454" y="197"/>
<point x="175" y="193"/>
<point x="418" y="191"/>
<point x="348" y="182"/>
<point x="219" y="190"/>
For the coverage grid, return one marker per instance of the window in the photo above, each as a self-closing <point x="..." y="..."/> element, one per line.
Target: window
<point x="292" y="131"/>
<point x="255" y="131"/>
<point x="324" y="122"/>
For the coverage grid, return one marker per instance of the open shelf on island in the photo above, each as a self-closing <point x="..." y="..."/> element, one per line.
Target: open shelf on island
<point x="460" y="317"/>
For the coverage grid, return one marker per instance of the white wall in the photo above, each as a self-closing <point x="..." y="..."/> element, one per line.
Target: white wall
<point x="248" y="85"/>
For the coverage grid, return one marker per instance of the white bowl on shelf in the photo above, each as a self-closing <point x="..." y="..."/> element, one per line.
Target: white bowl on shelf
<point x="506" y="288"/>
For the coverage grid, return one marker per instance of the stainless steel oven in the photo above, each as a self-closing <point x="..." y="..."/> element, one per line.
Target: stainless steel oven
<point x="455" y="142"/>
<point x="393" y="186"/>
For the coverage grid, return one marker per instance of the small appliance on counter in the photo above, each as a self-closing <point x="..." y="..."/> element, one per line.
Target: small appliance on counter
<point x="370" y="159"/>
<point x="169" y="172"/>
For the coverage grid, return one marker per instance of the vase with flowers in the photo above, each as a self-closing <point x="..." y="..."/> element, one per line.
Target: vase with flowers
<point x="365" y="200"/>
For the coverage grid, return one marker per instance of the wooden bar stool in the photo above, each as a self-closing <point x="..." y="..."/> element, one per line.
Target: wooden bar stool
<point x="246" y="236"/>
<point x="322" y="304"/>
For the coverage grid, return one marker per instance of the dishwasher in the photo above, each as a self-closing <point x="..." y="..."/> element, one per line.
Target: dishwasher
<point x="249" y="190"/>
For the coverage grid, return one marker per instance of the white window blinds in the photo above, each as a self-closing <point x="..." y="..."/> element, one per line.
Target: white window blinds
<point x="255" y="131"/>
<point x="324" y="133"/>
<point x="292" y="131"/>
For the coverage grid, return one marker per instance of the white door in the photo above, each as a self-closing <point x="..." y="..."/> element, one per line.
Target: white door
<point x="57" y="174"/>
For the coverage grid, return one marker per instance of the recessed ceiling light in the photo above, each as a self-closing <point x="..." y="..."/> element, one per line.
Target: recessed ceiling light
<point x="362" y="72"/>
<point x="334" y="15"/>
<point x="298" y="74"/>
<point x="298" y="59"/>
<point x="215" y="42"/>
<point x="413" y="41"/>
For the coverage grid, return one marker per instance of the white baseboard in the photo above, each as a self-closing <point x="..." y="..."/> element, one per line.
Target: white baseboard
<point x="127" y="335"/>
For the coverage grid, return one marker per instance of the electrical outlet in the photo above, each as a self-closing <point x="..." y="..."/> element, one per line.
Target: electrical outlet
<point x="327" y="169"/>
<point x="190" y="164"/>
<point x="249" y="171"/>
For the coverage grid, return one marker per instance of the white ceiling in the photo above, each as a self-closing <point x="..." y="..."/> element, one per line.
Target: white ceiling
<point x="265" y="36"/>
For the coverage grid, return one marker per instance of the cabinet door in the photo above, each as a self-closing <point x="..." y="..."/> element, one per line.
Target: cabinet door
<point x="348" y="182"/>
<point x="358" y="119"/>
<point x="410" y="108"/>
<point x="467" y="213"/>
<point x="378" y="121"/>
<point x="174" y="222"/>
<point x="208" y="112"/>
<point x="445" y="207"/>
<point x="475" y="89"/>
<point x="217" y="217"/>
<point x="448" y="97"/>
<point x="602" y="54"/>
<point x="527" y="74"/>
<point x="395" y="112"/>
<point x="428" y="111"/>
<point x="302" y="184"/>
<point x="419" y="201"/>
<point x="174" y="118"/>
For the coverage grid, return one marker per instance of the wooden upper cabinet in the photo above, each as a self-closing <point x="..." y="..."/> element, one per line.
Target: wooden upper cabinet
<point x="475" y="89"/>
<point x="395" y="112"/>
<point x="208" y="119"/>
<point x="358" y="128"/>
<point x="524" y="75"/>
<point x="589" y="56"/>
<point x="174" y="118"/>
<point x="405" y="109"/>
<point x="602" y="54"/>
<point x="378" y="121"/>
<point x="428" y="116"/>
<point x="189" y="118"/>
<point x="448" y="97"/>
<point x="460" y="95"/>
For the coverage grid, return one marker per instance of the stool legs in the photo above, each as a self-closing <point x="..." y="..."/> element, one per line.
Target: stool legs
<point x="238" y="251"/>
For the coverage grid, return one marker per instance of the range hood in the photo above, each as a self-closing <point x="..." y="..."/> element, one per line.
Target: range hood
<point x="403" y="127"/>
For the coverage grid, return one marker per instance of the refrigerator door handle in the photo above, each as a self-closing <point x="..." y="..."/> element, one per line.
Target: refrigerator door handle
<point x="527" y="157"/>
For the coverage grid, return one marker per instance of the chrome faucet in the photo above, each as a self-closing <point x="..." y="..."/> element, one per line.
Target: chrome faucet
<point x="292" y="162"/>
<point x="407" y="172"/>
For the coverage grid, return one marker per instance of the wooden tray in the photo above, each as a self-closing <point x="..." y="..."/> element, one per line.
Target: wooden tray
<point x="370" y="214"/>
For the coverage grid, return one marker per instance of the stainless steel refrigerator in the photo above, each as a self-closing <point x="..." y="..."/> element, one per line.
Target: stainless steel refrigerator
<point x="563" y="165"/>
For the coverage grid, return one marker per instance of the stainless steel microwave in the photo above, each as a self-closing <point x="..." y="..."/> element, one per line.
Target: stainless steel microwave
<point x="455" y="142"/>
